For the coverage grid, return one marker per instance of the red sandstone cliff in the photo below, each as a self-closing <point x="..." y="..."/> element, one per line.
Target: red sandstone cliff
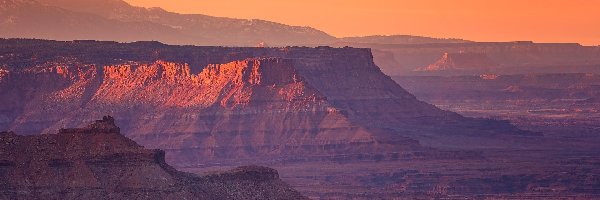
<point x="236" y="104"/>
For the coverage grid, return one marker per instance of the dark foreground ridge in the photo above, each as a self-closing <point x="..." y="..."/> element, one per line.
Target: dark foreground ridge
<point x="97" y="162"/>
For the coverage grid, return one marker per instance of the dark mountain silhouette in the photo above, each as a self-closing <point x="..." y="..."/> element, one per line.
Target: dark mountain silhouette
<point x="116" y="20"/>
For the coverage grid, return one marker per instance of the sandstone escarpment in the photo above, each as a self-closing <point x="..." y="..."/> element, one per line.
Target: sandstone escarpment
<point x="217" y="103"/>
<point x="229" y="85"/>
<point x="97" y="162"/>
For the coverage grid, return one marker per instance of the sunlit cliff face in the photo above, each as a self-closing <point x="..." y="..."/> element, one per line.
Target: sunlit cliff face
<point x="3" y="73"/>
<point x="222" y="104"/>
<point x="170" y="84"/>
<point x="266" y="96"/>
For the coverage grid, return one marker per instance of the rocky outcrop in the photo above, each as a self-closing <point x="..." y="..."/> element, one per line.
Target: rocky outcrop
<point x="97" y="162"/>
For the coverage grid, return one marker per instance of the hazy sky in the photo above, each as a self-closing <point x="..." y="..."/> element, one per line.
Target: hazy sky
<point x="479" y="20"/>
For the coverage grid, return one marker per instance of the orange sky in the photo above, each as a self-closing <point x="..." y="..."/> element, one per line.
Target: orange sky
<point x="479" y="20"/>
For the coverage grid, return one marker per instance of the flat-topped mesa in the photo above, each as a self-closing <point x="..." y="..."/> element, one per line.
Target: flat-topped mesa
<point x="219" y="103"/>
<point x="102" y="138"/>
<point x="99" y="141"/>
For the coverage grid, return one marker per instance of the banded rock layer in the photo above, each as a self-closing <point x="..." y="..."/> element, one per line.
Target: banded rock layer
<point x="203" y="103"/>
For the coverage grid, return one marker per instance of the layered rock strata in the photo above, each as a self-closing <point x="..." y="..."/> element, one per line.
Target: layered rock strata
<point x="202" y="103"/>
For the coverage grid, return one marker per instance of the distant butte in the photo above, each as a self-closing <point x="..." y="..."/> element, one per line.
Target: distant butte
<point x="475" y="62"/>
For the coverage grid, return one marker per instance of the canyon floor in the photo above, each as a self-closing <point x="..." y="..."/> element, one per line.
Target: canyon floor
<point x="543" y="168"/>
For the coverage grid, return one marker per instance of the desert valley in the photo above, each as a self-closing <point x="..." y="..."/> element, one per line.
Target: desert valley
<point x="143" y="103"/>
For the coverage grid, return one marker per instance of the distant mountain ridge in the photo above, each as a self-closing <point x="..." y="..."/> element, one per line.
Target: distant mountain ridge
<point x="399" y="39"/>
<point x="31" y="19"/>
<point x="116" y="20"/>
